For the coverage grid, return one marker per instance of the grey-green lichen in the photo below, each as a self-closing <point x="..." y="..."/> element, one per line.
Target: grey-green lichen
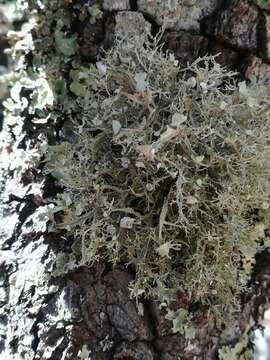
<point x="240" y="351"/>
<point x="166" y="168"/>
<point x="263" y="4"/>
<point x="169" y="173"/>
<point x="179" y="14"/>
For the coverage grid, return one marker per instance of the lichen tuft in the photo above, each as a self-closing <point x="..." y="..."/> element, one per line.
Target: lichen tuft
<point x="169" y="173"/>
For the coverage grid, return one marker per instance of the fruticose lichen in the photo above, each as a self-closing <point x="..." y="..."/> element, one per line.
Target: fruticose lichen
<point x="164" y="169"/>
<point x="240" y="351"/>
<point x="168" y="174"/>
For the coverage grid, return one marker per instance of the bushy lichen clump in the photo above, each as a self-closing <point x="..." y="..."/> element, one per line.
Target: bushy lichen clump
<point x="169" y="173"/>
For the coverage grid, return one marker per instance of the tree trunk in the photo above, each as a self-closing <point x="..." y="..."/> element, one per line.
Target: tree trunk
<point x="48" y="308"/>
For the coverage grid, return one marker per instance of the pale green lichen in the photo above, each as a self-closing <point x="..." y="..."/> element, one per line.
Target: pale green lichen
<point x="240" y="351"/>
<point x="66" y="45"/>
<point x="262" y="3"/>
<point x="169" y="169"/>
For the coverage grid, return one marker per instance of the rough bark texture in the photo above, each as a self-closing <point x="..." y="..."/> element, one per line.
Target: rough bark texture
<point x="87" y="313"/>
<point x="237" y="25"/>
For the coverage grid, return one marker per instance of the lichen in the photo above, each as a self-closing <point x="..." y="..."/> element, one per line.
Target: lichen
<point x="179" y="14"/>
<point x="164" y="168"/>
<point x="240" y="351"/>
<point x="170" y="173"/>
<point x="263" y="4"/>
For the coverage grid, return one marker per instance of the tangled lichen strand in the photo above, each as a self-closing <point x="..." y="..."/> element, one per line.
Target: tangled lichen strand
<point x="169" y="173"/>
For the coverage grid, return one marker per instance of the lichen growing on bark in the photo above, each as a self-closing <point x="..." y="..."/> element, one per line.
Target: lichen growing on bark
<point x="164" y="168"/>
<point x="168" y="174"/>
